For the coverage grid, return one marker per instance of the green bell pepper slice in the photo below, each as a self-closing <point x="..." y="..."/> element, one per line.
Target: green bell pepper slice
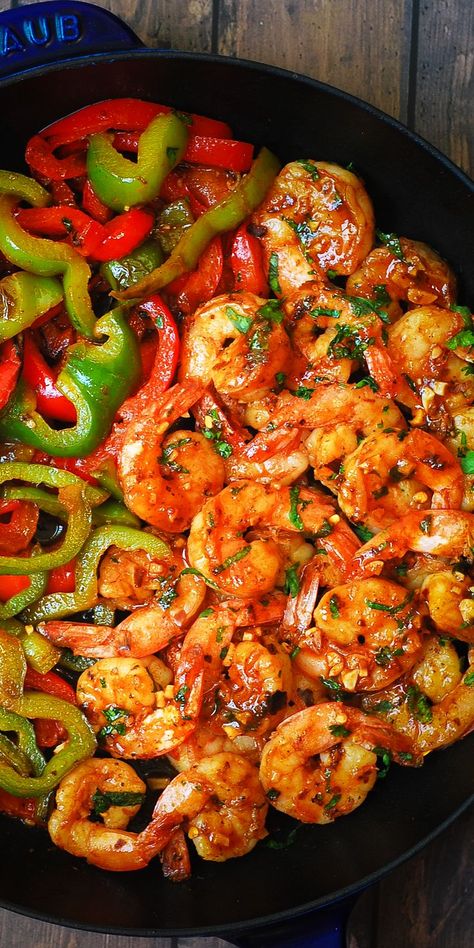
<point x="13" y="721"/>
<point x="121" y="183"/>
<point x="78" y="529"/>
<point x="18" y="602"/>
<point x="52" y="477"/>
<point x="24" y="297"/>
<point x="41" y="655"/>
<point x="96" y="378"/>
<point x="12" y="669"/>
<point x="58" y="605"/>
<point x="49" y="258"/>
<point x="114" y="512"/>
<point x="123" y="273"/>
<point x="81" y="744"/>
<point x="24" y="188"/>
<point x="173" y="222"/>
<point x="223" y="217"/>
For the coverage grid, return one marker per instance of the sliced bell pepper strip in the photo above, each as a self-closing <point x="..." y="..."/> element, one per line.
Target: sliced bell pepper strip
<point x="45" y="474"/>
<point x="166" y="359"/>
<point x="19" y="600"/>
<point x="96" y="378"/>
<point x="24" y="298"/>
<point x="37" y="373"/>
<point x="114" y="512"/>
<point x="20" y="530"/>
<point x="41" y="655"/>
<point x="131" y="268"/>
<point x="199" y="286"/>
<point x="85" y="595"/>
<point x="17" y="723"/>
<point x="24" y="188"/>
<point x="10" y="365"/>
<point x="219" y="153"/>
<point x="49" y="258"/>
<point x="225" y="216"/>
<point x="124" y="114"/>
<point x="50" y="684"/>
<point x="246" y="261"/>
<point x="82" y="231"/>
<point x="80" y="744"/>
<point x="12" y="585"/>
<point x="93" y="205"/>
<point x="43" y="163"/>
<point x="62" y="578"/>
<point x="12" y="669"/>
<point x="78" y="529"/>
<point x="173" y="221"/>
<point x="123" y="234"/>
<point x="121" y="183"/>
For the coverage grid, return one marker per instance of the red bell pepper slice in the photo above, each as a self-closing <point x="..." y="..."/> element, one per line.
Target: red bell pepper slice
<point x="62" y="578"/>
<point x="12" y="585"/>
<point x="93" y="205"/>
<point x="219" y="153"/>
<point x="84" y="233"/>
<point x="124" y="115"/>
<point x="49" y="400"/>
<point x="20" y="530"/>
<point x="10" y="364"/>
<point x="166" y="358"/>
<point x="50" y="733"/>
<point x="123" y="234"/>
<point x="44" y="164"/>
<point x="193" y="289"/>
<point x="61" y="193"/>
<point x="201" y="150"/>
<point x="246" y="261"/>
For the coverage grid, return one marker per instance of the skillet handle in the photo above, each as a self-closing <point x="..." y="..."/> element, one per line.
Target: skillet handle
<point x="323" y="929"/>
<point x="40" y="33"/>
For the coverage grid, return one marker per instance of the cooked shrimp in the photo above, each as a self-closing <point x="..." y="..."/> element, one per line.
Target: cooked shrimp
<point x="106" y="842"/>
<point x="419" y="343"/>
<point x="344" y="739"/>
<point x="316" y="217"/>
<point x="217" y="545"/>
<point x="449" y="597"/>
<point x="253" y="696"/>
<point x="337" y="416"/>
<point x="208" y="739"/>
<point x="126" y="701"/>
<point x="148" y="629"/>
<point x="220" y="804"/>
<point x="445" y="533"/>
<point x="434" y="706"/>
<point x="237" y="342"/>
<point x="165" y="479"/>
<point x="393" y="471"/>
<point x="365" y="635"/>
<point x="419" y="277"/>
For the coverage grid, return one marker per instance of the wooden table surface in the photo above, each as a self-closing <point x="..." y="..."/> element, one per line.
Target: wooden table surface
<point x="413" y="59"/>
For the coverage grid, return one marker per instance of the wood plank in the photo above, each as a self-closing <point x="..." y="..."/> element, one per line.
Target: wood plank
<point x="443" y="110"/>
<point x="363" y="47"/>
<point x="180" y="24"/>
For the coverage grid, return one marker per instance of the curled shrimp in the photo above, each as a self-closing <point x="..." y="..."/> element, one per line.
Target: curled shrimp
<point x="135" y="708"/>
<point x="220" y="804"/>
<point x="217" y="544"/>
<point x="149" y="628"/>
<point x="434" y="705"/>
<point x="450" y="602"/>
<point x="236" y="342"/>
<point x="320" y="763"/>
<point x="105" y="843"/>
<point x="419" y="277"/>
<point x="365" y="635"/>
<point x="164" y="479"/>
<point x="252" y="697"/>
<point x="393" y="471"/>
<point x="316" y="217"/>
<point x="444" y="533"/>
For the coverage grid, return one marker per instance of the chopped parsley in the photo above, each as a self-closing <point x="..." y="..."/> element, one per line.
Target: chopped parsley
<point x="362" y="532"/>
<point x="242" y="323"/>
<point x="294" y="652"/>
<point x="391" y="610"/>
<point x="309" y="167"/>
<point x="167" y="460"/>
<point x="168" y="596"/>
<point x="362" y="307"/>
<point x="323" y="311"/>
<point x="280" y="378"/>
<point x="469" y="680"/>
<point x="386" y="758"/>
<point x="273" y="278"/>
<point x="302" y="230"/>
<point x="192" y="571"/>
<point x="333" y="802"/>
<point x="334" y="607"/>
<point x="338" y="730"/>
<point x="205" y="613"/>
<point x="292" y="585"/>
<point x="392" y="242"/>
<point x="347" y="343"/>
<point x="382" y="707"/>
<point x="271" y="311"/>
<point x="304" y="392"/>
<point x="293" y="515"/>
<point x="331" y="684"/>
<point x="419" y="705"/>
<point x="235" y="558"/>
<point x="101" y="802"/>
<point x="214" y="433"/>
<point x="115" y="725"/>
<point x="283" y="843"/>
<point x="369" y="381"/>
<point x="467" y="463"/>
<point x="384" y="655"/>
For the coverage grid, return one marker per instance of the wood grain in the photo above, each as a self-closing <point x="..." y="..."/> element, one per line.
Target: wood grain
<point x="444" y="95"/>
<point x="363" y="47"/>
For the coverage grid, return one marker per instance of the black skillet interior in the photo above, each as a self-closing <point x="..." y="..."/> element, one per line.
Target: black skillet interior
<point x="416" y="193"/>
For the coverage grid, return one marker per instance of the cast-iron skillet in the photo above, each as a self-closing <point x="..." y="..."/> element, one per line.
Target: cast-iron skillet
<point x="417" y="193"/>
